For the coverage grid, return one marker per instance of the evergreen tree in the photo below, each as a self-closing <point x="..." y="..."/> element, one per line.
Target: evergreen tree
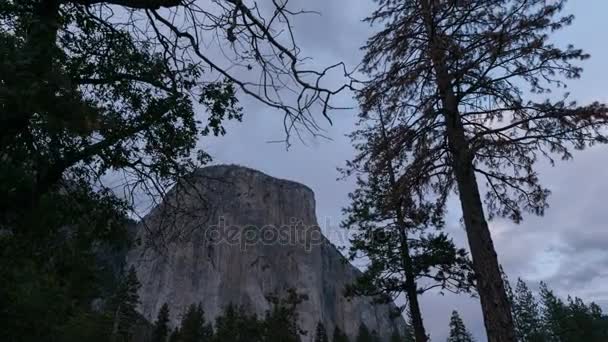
<point x="321" y="333"/>
<point x="572" y="320"/>
<point x="395" y="230"/>
<point x="429" y="64"/>
<point x="554" y="314"/>
<point x="193" y="327"/>
<point x="339" y="336"/>
<point x="281" y="321"/>
<point x="458" y="332"/>
<point x="161" y="326"/>
<point x="124" y="305"/>
<point x="526" y="314"/>
<point x="234" y="325"/>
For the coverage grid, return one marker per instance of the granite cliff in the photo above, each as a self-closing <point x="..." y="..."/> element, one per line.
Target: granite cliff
<point x="234" y="235"/>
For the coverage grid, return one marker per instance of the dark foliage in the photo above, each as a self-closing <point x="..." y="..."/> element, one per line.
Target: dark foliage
<point x="396" y="232"/>
<point x="161" y="326"/>
<point x="458" y="332"/>
<point x="96" y="88"/>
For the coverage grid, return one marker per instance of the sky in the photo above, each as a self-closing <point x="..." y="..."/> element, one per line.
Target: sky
<point x="566" y="248"/>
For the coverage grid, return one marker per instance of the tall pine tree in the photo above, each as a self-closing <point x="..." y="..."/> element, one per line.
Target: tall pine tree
<point x="124" y="305"/>
<point x="458" y="331"/>
<point x="281" y="321"/>
<point x="161" y="325"/>
<point x="464" y="80"/>
<point x="235" y="325"/>
<point x="396" y="230"/>
<point x="194" y="327"/>
<point x="526" y="315"/>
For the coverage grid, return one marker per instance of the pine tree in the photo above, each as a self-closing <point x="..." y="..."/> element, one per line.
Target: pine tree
<point x="395" y="230"/>
<point x="526" y="314"/>
<point x="321" y="333"/>
<point x="281" y="321"/>
<point x="430" y="64"/>
<point x="161" y="326"/>
<point x="339" y="336"/>
<point x="234" y="325"/>
<point x="458" y="332"/>
<point x="554" y="314"/>
<point x="125" y="302"/>
<point x="193" y="327"/>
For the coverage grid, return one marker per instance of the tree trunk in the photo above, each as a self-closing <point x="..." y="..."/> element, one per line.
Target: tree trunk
<point x="412" y="297"/>
<point x="494" y="302"/>
<point x="411" y="288"/>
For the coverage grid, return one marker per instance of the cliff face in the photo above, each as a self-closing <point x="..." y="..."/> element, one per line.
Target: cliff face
<point x="235" y="235"/>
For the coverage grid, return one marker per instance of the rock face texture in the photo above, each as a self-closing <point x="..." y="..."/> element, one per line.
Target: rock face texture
<point x="235" y="235"/>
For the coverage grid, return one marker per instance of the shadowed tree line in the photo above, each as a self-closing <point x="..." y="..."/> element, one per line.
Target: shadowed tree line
<point x="544" y="317"/>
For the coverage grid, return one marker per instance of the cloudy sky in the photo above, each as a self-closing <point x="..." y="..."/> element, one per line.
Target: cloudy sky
<point x="566" y="248"/>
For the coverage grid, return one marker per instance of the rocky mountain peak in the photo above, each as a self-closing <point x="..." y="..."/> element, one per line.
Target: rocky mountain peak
<point x="231" y="234"/>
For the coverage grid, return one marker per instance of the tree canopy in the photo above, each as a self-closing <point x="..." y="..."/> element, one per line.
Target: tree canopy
<point x="469" y="86"/>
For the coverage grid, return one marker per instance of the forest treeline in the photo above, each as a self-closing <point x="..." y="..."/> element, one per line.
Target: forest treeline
<point x="539" y="317"/>
<point x="460" y="100"/>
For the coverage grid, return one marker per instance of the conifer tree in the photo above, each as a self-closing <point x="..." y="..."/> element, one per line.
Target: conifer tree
<point x="193" y="327"/>
<point x="321" y="333"/>
<point x="455" y="75"/>
<point x="235" y="325"/>
<point x="125" y="302"/>
<point x="281" y="321"/>
<point x="161" y="325"/>
<point x="553" y="315"/>
<point x="526" y="314"/>
<point x="458" y="331"/>
<point x="395" y="230"/>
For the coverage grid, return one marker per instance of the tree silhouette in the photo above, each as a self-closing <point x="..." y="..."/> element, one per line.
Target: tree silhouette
<point x="194" y="327"/>
<point x="453" y="76"/>
<point x="458" y="332"/>
<point x="161" y="326"/>
<point x="391" y="227"/>
<point x="526" y="315"/>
